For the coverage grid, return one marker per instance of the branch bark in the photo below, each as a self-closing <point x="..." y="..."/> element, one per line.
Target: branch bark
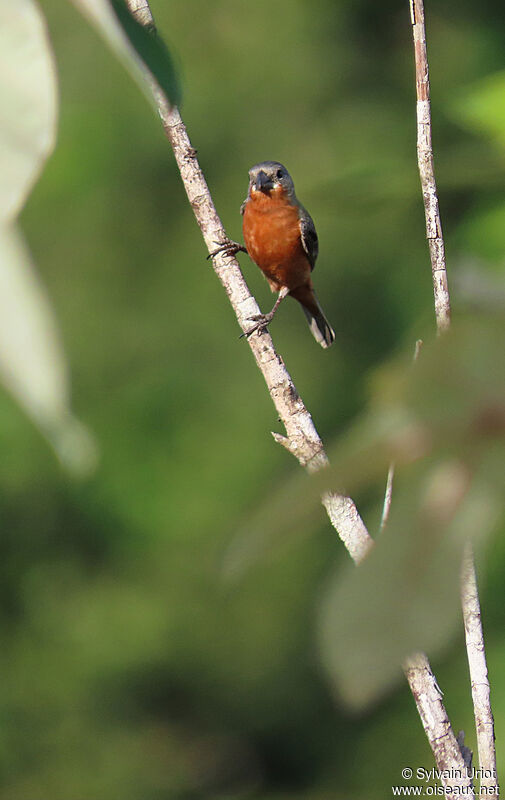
<point x="388" y="497"/>
<point x="427" y="171"/>
<point x="484" y="722"/>
<point x="448" y="756"/>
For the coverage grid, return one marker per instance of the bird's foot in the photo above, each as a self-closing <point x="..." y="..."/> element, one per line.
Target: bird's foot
<point x="261" y="322"/>
<point x="228" y="247"/>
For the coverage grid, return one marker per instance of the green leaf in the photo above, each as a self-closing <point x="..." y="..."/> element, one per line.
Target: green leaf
<point x="32" y="364"/>
<point x="28" y="102"/>
<point x="152" y="50"/>
<point x="140" y="48"/>
<point x="405" y="596"/>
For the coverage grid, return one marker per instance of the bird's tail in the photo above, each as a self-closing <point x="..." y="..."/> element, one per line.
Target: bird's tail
<point x="319" y="325"/>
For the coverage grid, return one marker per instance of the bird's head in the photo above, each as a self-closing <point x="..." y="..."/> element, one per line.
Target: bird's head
<point x="270" y="178"/>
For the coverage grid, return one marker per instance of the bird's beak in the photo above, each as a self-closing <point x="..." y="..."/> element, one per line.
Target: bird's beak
<point x="263" y="182"/>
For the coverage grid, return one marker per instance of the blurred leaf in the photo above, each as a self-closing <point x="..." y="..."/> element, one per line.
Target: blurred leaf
<point x="405" y="595"/>
<point x="152" y="50"/>
<point x="484" y="234"/>
<point x="140" y="48"/>
<point x="269" y="522"/>
<point x="482" y="107"/>
<point x="32" y="364"/>
<point x="451" y="405"/>
<point x="479" y="288"/>
<point x="28" y="102"/>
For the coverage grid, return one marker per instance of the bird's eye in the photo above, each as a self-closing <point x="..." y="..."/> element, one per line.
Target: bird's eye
<point x="279" y="174"/>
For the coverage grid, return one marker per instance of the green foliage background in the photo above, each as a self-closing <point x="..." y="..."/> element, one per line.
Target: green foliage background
<point x="129" y="669"/>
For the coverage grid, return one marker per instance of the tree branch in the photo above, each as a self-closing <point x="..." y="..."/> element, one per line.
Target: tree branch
<point x="301" y="439"/>
<point x="443" y="743"/>
<point x="484" y="722"/>
<point x="427" y="172"/>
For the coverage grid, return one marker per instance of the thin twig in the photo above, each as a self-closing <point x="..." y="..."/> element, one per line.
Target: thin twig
<point x="484" y="722"/>
<point x="426" y="171"/>
<point x="388" y="495"/>
<point x="301" y="439"/>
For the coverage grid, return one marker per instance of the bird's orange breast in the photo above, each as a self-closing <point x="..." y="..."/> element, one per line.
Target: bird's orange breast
<point x="271" y="229"/>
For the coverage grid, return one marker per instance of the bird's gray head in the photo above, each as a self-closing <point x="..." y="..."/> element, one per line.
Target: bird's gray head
<point x="270" y="177"/>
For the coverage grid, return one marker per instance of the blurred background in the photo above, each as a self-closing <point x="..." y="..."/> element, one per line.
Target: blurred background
<point x="128" y="668"/>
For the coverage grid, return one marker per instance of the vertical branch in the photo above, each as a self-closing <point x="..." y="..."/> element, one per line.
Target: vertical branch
<point x="427" y="172"/>
<point x="484" y="722"/>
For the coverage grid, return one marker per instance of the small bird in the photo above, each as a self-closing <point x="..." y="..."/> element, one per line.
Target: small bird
<point x="281" y="239"/>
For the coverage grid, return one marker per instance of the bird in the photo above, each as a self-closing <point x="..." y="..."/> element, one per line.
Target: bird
<point x="280" y="237"/>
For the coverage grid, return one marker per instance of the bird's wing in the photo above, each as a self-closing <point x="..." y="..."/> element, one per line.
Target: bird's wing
<point x="309" y="237"/>
<point x="242" y="207"/>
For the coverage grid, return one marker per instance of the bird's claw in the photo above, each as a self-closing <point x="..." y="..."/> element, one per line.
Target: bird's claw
<point x="228" y="247"/>
<point x="261" y="320"/>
